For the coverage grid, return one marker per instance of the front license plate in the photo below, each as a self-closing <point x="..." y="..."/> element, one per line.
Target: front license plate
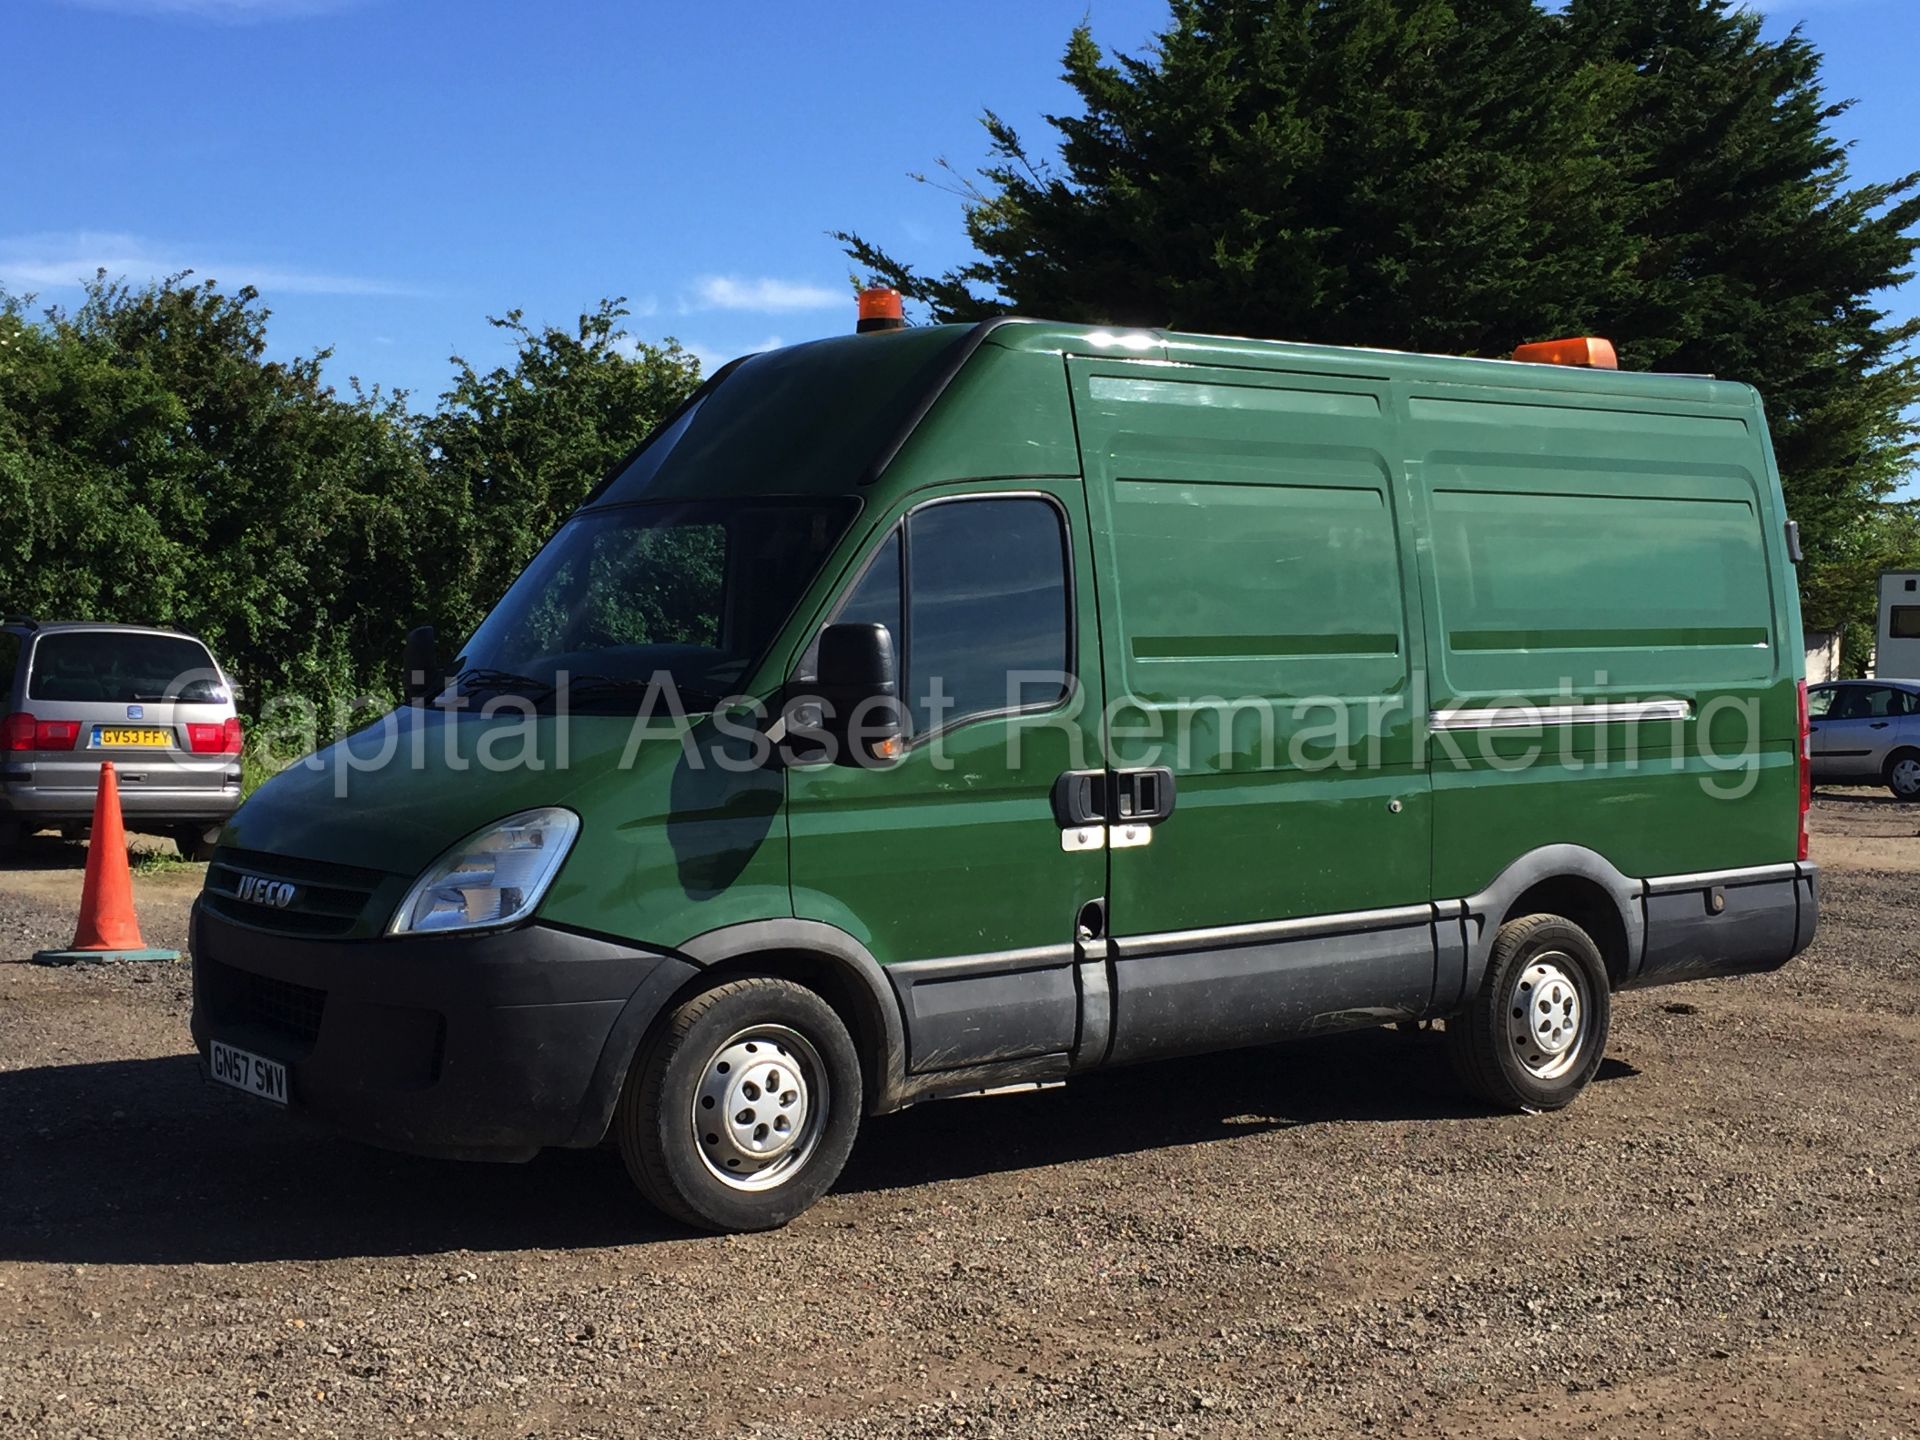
<point x="114" y="736"/>
<point x="252" y="1073"/>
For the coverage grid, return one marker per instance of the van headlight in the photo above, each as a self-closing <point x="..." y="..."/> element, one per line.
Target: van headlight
<point x="492" y="878"/>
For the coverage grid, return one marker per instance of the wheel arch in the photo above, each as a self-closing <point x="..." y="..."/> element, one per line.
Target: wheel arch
<point x="827" y="960"/>
<point x="1573" y="882"/>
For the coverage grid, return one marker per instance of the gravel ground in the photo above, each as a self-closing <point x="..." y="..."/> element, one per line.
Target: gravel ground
<point x="1319" y="1240"/>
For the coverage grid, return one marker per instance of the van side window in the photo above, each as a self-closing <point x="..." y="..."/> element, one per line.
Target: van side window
<point x="982" y="612"/>
<point x="875" y="598"/>
<point x="986" y="608"/>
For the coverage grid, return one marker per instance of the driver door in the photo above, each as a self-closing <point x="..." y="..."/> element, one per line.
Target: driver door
<point x="948" y="864"/>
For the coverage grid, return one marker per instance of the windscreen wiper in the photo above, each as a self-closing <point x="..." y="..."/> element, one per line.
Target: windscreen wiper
<point x="468" y="681"/>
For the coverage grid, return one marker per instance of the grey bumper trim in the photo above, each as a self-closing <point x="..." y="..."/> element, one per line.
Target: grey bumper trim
<point x="1750" y="875"/>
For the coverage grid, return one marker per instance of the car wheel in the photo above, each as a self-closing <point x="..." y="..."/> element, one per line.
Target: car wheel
<point x="10" y="836"/>
<point x="196" y="842"/>
<point x="1535" y="1033"/>
<point x="1903" y="775"/>
<point x="739" y="1112"/>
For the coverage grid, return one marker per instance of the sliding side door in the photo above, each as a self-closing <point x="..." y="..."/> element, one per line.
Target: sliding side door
<point x="1253" y="586"/>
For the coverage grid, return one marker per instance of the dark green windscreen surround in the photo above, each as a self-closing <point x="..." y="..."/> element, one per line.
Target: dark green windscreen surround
<point x="806" y="420"/>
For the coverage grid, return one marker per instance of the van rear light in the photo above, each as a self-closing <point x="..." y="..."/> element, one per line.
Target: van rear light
<point x="1806" y="770"/>
<point x="221" y="739"/>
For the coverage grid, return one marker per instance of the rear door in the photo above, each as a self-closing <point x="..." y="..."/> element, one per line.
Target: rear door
<point x="1258" y="646"/>
<point x="1859" y="730"/>
<point x="950" y="865"/>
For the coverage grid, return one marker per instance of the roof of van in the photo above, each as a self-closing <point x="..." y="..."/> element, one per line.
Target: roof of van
<point x="1179" y="347"/>
<point x="824" y="412"/>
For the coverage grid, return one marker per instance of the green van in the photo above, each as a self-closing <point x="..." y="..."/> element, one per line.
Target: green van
<point x="934" y="710"/>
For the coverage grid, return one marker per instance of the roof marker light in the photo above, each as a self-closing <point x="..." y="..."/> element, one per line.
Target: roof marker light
<point x="1125" y="340"/>
<point x="1585" y="350"/>
<point x="880" y="309"/>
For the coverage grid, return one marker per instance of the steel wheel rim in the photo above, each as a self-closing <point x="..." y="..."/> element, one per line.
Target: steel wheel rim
<point x="1546" y="1015"/>
<point x="760" y="1107"/>
<point x="1906" y="777"/>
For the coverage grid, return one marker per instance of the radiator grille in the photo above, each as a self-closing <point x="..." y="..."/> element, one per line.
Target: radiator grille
<point x="326" y="899"/>
<point x="241" y="997"/>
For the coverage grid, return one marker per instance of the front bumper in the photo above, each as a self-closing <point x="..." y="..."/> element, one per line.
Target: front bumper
<point x="488" y="1046"/>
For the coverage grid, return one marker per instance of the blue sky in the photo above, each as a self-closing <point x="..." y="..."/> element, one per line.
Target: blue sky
<point x="390" y="172"/>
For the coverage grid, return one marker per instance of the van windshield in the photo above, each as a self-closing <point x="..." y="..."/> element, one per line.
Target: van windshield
<point x="629" y="596"/>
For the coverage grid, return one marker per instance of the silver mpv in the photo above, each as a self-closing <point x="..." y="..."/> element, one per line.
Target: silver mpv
<point x="154" y="702"/>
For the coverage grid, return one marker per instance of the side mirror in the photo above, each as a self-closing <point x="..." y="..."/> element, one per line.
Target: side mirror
<point x="420" y="679"/>
<point x="858" y="687"/>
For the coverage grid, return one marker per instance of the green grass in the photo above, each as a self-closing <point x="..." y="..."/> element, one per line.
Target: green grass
<point x="155" y="862"/>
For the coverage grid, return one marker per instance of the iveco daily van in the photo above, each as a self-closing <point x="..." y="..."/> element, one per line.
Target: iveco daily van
<point x="924" y="711"/>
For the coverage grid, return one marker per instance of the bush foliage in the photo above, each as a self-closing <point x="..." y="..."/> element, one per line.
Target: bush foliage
<point x="156" y="467"/>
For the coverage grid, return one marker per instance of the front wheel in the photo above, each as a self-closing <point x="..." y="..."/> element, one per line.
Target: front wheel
<point x="1535" y="1033"/>
<point x="1903" y="775"/>
<point x="739" y="1112"/>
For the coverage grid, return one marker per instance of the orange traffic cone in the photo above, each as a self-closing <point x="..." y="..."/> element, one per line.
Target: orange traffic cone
<point x="107" y="929"/>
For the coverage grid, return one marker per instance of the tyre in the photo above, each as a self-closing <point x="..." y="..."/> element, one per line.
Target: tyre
<point x="10" y="836"/>
<point x="1535" y="1033"/>
<point x="740" y="1109"/>
<point x="1903" y="775"/>
<point x="196" y="842"/>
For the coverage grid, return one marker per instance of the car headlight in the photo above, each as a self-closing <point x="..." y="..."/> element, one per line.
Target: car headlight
<point x="494" y="877"/>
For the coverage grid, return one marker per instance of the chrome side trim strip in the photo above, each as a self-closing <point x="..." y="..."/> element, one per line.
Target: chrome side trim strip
<point x="1304" y="927"/>
<point x="1502" y="717"/>
<point x="991" y="962"/>
<point x="1701" y="879"/>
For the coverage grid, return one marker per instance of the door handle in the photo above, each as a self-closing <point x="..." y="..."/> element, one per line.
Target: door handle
<point x="1119" y="808"/>
<point x="1878" y="725"/>
<point x="1145" y="796"/>
<point x="1080" y="798"/>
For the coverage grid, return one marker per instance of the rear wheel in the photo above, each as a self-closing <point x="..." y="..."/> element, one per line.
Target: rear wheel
<point x="1903" y="775"/>
<point x="1536" y="1032"/>
<point x="10" y="837"/>
<point x="739" y="1112"/>
<point x="196" y="842"/>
